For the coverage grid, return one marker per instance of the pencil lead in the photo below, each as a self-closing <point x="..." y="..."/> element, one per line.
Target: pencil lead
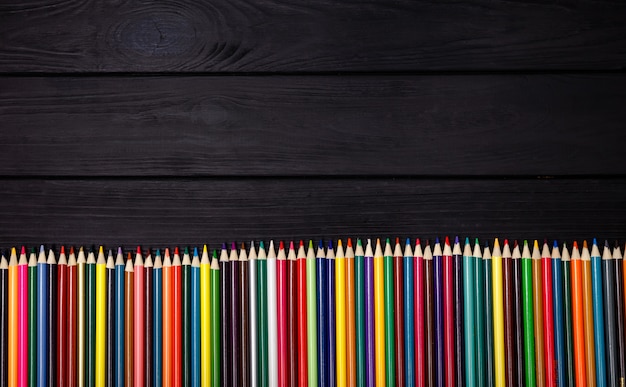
<point x="71" y="250"/>
<point x="555" y="244"/>
<point x="585" y="244"/>
<point x="330" y="244"/>
<point x="349" y="242"/>
<point x="281" y="245"/>
<point x="436" y="240"/>
<point x="138" y="249"/>
<point x="456" y="239"/>
<point x="506" y="242"/>
<point x="397" y="241"/>
<point x="310" y="243"/>
<point x="301" y="243"/>
<point x="447" y="241"/>
<point x="261" y="245"/>
<point x="186" y="250"/>
<point x="176" y="251"/>
<point x="339" y="243"/>
<point x="417" y="241"/>
<point x="575" y="244"/>
<point x="233" y="246"/>
<point x="594" y="241"/>
<point x="358" y="242"/>
<point x="195" y="251"/>
<point x="321" y="244"/>
<point x="515" y="244"/>
<point x="291" y="245"/>
<point x="606" y="243"/>
<point x="42" y="249"/>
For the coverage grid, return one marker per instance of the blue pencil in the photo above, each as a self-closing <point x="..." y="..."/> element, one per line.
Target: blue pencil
<point x="409" y="318"/>
<point x="598" y="315"/>
<point x="42" y="319"/>
<point x="195" y="319"/>
<point x="119" y="319"/>
<point x="559" y="322"/>
<point x="322" y="315"/>
<point x="157" y="363"/>
<point x="438" y="294"/>
<point x="330" y="262"/>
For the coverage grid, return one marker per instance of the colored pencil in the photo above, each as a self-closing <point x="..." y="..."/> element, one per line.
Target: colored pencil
<point x="52" y="316"/>
<point x="408" y="280"/>
<point x="388" y="309"/>
<point x="262" y="317"/>
<point x="510" y="369"/>
<point x="351" y="354"/>
<point x="370" y="345"/>
<point x="468" y="315"/>
<point x="13" y="315"/>
<point x="340" y="316"/>
<point x="22" y="321"/>
<point x="110" y="319"/>
<point x="168" y="321"/>
<point x="459" y="319"/>
<point x="598" y="315"/>
<point x="578" y="319"/>
<point x="177" y="324"/>
<point x="498" y="316"/>
<point x="254" y="343"/>
<point x="398" y="317"/>
<point x="332" y="338"/>
<point x="610" y="318"/>
<point x="4" y="320"/>
<point x="272" y="323"/>
<point x="489" y="316"/>
<point x="311" y="303"/>
<point x="429" y="318"/>
<point x="448" y="315"/>
<point x="81" y="313"/>
<point x="548" y="316"/>
<point x="32" y="320"/>
<point x="235" y="320"/>
<point x="225" y="318"/>
<point x="194" y="300"/>
<point x="186" y="318"/>
<point x="518" y="315"/>
<point x="538" y="316"/>
<point x="621" y="320"/>
<point x="244" y="291"/>
<point x="479" y="314"/>
<point x="149" y="323"/>
<point x="322" y="314"/>
<point x="100" y="320"/>
<point x="588" y="298"/>
<point x="119" y="319"/>
<point x="129" y="329"/>
<point x="207" y="366"/>
<point x="359" y="315"/>
<point x="303" y="377"/>
<point x="215" y="319"/>
<point x="292" y="317"/>
<point x="529" y="319"/>
<point x="72" y="284"/>
<point x="418" y="315"/>
<point x="379" y="317"/>
<point x="558" y="314"/>
<point x="439" y="326"/>
<point x="281" y="315"/>
<point x="567" y="317"/>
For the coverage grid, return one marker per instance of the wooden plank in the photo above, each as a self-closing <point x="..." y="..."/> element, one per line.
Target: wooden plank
<point x="296" y="36"/>
<point x="155" y="212"/>
<point x="312" y="125"/>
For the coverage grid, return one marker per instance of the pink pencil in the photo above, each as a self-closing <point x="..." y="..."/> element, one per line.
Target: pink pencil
<point x="22" y="320"/>
<point x="281" y="286"/>
<point x="139" y="321"/>
<point x="418" y="304"/>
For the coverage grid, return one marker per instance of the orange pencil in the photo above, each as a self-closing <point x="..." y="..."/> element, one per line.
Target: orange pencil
<point x="177" y="326"/>
<point x="168" y="320"/>
<point x="578" y="320"/>
<point x="139" y="320"/>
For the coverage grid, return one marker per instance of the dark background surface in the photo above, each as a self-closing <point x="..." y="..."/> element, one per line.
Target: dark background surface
<point x="186" y="122"/>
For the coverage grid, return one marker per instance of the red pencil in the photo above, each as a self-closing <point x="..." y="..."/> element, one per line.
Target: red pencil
<point x="303" y="379"/>
<point x="398" y="297"/>
<point x="281" y="289"/>
<point x="418" y="305"/>
<point x="62" y="318"/>
<point x="139" y="320"/>
<point x="71" y="319"/>
<point x="548" y="316"/>
<point x="177" y="344"/>
<point x="448" y="314"/>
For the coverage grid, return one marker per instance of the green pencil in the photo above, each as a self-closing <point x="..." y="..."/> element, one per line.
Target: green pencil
<point x="32" y="318"/>
<point x="90" y="319"/>
<point x="527" y="306"/>
<point x="390" y="360"/>
<point x="215" y="316"/>
<point x="262" y="317"/>
<point x="311" y="304"/>
<point x="470" y="330"/>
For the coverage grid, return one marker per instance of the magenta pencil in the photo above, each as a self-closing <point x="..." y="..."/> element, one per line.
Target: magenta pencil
<point x="22" y="320"/>
<point x="448" y="314"/>
<point x="418" y="302"/>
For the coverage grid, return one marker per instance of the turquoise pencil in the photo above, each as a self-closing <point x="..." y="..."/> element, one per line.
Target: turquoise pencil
<point x="195" y="319"/>
<point x="598" y="315"/>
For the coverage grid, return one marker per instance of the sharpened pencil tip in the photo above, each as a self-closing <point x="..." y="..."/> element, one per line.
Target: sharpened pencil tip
<point x="467" y="240"/>
<point x="555" y="244"/>
<point x="233" y="246"/>
<point x="62" y="250"/>
<point x="436" y="240"/>
<point x="176" y="251"/>
<point x="515" y="244"/>
<point x="195" y="251"/>
<point x="456" y="239"/>
<point x="359" y="243"/>
<point x="138" y="249"/>
<point x="585" y="245"/>
<point x="310" y="243"/>
<point x="575" y="244"/>
<point x="330" y="244"/>
<point x="281" y="245"/>
<point x="301" y="243"/>
<point x="594" y="241"/>
<point x="339" y="244"/>
<point x="408" y="241"/>
<point x="447" y="241"/>
<point x="261" y="245"/>
<point x="291" y="245"/>
<point x="349" y="242"/>
<point x="187" y="250"/>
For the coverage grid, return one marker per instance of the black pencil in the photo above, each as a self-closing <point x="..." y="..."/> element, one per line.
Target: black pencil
<point x="610" y="317"/>
<point x="52" y="308"/>
<point x="149" y="331"/>
<point x="110" y="313"/>
<point x="4" y="319"/>
<point x="621" y="334"/>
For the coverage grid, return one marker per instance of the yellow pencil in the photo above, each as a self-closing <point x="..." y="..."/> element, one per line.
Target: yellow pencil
<point x="205" y="318"/>
<point x="101" y="318"/>
<point x="379" y="317"/>
<point x="12" y="353"/>
<point x="498" y="315"/>
<point x="340" y="315"/>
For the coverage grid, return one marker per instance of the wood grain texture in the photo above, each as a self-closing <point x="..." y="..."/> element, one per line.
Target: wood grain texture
<point x="158" y="212"/>
<point x="313" y="125"/>
<point x="296" y="36"/>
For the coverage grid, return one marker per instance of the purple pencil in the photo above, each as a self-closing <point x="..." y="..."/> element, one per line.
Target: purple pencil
<point x="369" y="316"/>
